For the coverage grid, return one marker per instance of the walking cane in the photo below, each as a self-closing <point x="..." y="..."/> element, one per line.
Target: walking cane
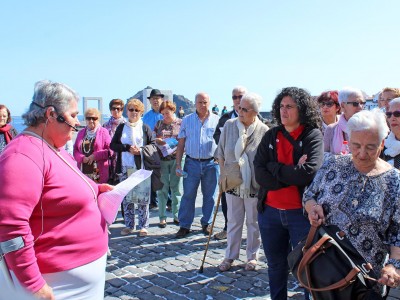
<point x="211" y="231"/>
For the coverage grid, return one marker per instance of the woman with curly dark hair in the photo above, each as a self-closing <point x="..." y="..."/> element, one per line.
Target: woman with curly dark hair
<point x="287" y="160"/>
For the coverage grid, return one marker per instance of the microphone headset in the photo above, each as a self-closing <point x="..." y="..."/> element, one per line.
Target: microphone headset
<point x="60" y="118"/>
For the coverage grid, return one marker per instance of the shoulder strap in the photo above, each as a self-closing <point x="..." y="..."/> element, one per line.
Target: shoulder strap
<point x="291" y="139"/>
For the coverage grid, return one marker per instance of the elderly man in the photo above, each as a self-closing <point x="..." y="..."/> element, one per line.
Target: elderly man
<point x="237" y="94"/>
<point x="150" y="118"/>
<point x="196" y="138"/>
<point x="351" y="101"/>
<point x="387" y="95"/>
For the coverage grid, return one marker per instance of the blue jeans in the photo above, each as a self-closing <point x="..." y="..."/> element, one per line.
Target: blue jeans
<point x="206" y="173"/>
<point x="281" y="230"/>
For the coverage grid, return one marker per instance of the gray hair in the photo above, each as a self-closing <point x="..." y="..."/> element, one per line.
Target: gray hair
<point x="369" y="120"/>
<point x="254" y="100"/>
<point x="348" y="92"/>
<point x="239" y="89"/>
<point x="394" y="102"/>
<point x="48" y="94"/>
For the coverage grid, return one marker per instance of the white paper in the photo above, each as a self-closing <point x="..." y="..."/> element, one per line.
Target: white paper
<point x="109" y="202"/>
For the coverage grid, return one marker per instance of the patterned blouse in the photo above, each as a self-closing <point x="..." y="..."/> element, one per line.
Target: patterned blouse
<point x="367" y="208"/>
<point x="165" y="131"/>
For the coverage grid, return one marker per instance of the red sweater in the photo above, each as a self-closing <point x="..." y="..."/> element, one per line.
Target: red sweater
<point x="288" y="197"/>
<point x="74" y="232"/>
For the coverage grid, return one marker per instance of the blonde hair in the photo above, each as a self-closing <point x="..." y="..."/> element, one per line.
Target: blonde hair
<point x="136" y="103"/>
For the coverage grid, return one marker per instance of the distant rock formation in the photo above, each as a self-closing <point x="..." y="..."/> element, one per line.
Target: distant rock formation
<point x="179" y="100"/>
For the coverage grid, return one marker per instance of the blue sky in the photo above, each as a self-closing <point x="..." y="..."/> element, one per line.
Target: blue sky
<point x="112" y="49"/>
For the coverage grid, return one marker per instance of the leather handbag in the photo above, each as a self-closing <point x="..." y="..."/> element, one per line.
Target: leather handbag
<point x="327" y="264"/>
<point x="231" y="176"/>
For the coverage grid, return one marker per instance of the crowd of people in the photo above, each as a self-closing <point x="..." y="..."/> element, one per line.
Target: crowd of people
<point x="276" y="177"/>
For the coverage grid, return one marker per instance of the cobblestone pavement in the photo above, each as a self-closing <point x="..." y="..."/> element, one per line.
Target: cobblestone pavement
<point x="161" y="267"/>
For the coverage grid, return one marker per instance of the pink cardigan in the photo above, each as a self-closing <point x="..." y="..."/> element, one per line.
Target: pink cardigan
<point x="35" y="182"/>
<point x="101" y="151"/>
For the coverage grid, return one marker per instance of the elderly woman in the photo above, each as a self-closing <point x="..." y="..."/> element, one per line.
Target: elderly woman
<point x="7" y="132"/>
<point x="49" y="207"/>
<point x="116" y="108"/>
<point x="127" y="142"/>
<point x="238" y="143"/>
<point x="92" y="148"/>
<point x="391" y="152"/>
<point x="329" y="108"/>
<point x="351" y="101"/>
<point x="287" y="160"/>
<point x="167" y="130"/>
<point x="360" y="194"/>
<point x="387" y="94"/>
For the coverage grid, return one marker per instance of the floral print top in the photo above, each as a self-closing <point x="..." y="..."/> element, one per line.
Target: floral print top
<point x="366" y="208"/>
<point x="164" y="131"/>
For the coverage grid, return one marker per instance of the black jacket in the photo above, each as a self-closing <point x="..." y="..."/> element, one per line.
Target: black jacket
<point x="150" y="161"/>
<point x="272" y="175"/>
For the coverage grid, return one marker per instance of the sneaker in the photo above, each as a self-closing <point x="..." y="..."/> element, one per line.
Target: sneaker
<point x="127" y="231"/>
<point x="221" y="235"/>
<point x="206" y="229"/>
<point x="169" y="208"/>
<point x="182" y="233"/>
<point x="176" y="221"/>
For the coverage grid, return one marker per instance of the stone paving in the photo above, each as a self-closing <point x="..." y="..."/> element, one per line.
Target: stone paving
<point x="161" y="267"/>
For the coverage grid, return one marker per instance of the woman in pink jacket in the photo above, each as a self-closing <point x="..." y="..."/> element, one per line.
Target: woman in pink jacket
<point x="92" y="148"/>
<point x="48" y="208"/>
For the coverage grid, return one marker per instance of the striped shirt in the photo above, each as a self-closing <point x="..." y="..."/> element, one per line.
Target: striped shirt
<point x="199" y="142"/>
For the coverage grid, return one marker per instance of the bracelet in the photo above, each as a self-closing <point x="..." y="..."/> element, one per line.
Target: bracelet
<point x="394" y="262"/>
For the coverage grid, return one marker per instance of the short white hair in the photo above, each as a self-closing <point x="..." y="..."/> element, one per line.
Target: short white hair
<point x="369" y="120"/>
<point x="394" y="102"/>
<point x="239" y="89"/>
<point x="254" y="100"/>
<point x="347" y="92"/>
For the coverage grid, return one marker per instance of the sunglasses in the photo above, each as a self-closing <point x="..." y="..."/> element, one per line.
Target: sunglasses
<point x="355" y="104"/>
<point x="134" y="110"/>
<point x="92" y="118"/>
<point x="116" y="108"/>
<point x="245" y="109"/>
<point x="395" y="113"/>
<point x="327" y="104"/>
<point x="237" y="97"/>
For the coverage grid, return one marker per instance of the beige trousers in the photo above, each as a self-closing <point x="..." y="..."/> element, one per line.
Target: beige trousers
<point x="238" y="208"/>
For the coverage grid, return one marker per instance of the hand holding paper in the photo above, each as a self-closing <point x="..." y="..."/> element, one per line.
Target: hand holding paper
<point x="109" y="202"/>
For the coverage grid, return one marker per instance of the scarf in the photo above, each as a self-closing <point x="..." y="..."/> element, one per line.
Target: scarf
<point x="6" y="131"/>
<point x="340" y="130"/>
<point x="113" y="123"/>
<point x="242" y="158"/>
<point x="91" y="134"/>
<point x="392" y="145"/>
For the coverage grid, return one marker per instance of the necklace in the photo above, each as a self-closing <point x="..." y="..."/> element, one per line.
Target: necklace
<point x="355" y="201"/>
<point x="88" y="141"/>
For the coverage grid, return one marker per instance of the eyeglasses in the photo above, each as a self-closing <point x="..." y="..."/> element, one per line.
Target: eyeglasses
<point x="92" y="118"/>
<point x="237" y="97"/>
<point x="245" y="109"/>
<point x="327" y="104"/>
<point x="116" y="108"/>
<point x="395" y="113"/>
<point x="356" y="104"/>
<point x="133" y="110"/>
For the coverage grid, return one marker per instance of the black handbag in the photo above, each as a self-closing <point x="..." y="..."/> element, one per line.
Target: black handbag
<point x="328" y="265"/>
